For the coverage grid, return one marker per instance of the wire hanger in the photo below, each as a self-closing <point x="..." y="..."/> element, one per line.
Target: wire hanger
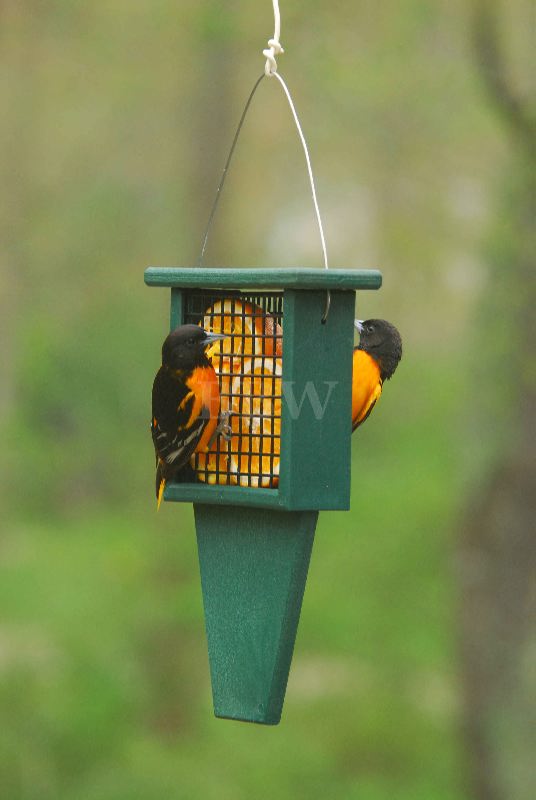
<point x="270" y="71"/>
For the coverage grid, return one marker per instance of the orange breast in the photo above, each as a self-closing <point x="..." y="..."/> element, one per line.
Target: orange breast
<point x="366" y="385"/>
<point x="203" y="382"/>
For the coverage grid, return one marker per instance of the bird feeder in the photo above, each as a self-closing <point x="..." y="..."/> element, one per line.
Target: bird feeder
<point x="255" y="531"/>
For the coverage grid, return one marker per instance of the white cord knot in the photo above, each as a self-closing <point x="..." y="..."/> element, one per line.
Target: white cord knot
<point x="274" y="49"/>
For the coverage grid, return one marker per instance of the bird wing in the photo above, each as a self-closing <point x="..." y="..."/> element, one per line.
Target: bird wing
<point x="174" y="448"/>
<point x="177" y="424"/>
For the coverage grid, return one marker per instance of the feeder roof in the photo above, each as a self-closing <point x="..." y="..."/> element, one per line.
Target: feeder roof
<point x="264" y="278"/>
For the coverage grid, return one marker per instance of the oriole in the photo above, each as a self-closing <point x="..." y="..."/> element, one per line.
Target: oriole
<point x="186" y="401"/>
<point x="374" y="361"/>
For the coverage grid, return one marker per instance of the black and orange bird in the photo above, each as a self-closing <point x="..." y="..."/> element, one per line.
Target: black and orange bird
<point x="186" y="402"/>
<point x="374" y="361"/>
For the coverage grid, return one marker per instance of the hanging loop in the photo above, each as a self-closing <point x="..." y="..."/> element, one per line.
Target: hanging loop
<point x="274" y="46"/>
<point x="270" y="68"/>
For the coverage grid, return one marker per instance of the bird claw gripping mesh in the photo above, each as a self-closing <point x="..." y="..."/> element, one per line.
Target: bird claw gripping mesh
<point x="224" y="429"/>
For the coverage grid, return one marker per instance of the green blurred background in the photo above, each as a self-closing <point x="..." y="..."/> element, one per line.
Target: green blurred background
<point x="414" y="664"/>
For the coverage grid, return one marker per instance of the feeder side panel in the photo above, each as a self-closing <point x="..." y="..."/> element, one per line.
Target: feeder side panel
<point x="176" y="316"/>
<point x="317" y="398"/>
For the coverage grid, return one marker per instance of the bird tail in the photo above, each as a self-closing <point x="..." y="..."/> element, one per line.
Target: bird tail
<point x="160" y="484"/>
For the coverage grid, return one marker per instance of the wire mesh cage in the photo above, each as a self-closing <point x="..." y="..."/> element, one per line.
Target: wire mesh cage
<point x="249" y="368"/>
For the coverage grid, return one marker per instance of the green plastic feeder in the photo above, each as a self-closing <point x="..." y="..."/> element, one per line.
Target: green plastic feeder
<point x="255" y="543"/>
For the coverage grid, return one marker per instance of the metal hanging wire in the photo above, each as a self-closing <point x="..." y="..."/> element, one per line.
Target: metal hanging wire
<point x="270" y="71"/>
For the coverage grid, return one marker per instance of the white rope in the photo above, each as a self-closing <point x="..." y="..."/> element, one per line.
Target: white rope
<point x="274" y="47"/>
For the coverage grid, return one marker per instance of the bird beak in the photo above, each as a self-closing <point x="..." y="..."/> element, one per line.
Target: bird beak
<point x="213" y="337"/>
<point x="359" y="325"/>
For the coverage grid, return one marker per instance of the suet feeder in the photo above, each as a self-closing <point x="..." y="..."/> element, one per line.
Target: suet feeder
<point x="255" y="520"/>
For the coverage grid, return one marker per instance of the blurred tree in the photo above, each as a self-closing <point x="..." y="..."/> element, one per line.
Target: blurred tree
<point x="213" y="110"/>
<point x="16" y="145"/>
<point x="497" y="536"/>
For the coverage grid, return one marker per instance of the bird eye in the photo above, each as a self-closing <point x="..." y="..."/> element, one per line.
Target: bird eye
<point x="190" y="341"/>
<point x="370" y="328"/>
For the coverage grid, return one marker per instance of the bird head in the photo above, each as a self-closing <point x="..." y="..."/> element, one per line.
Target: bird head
<point x="381" y="340"/>
<point x="184" y="348"/>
